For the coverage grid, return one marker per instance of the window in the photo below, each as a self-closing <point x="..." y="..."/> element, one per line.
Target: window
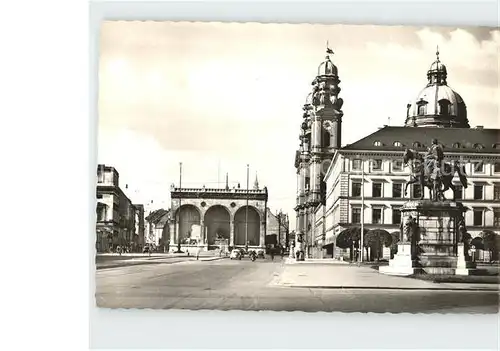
<point x="356" y="189"/>
<point x="356" y="165"/>
<point x="397" y="190"/>
<point x="356" y="215"/>
<point x="377" y="216"/>
<point x="478" y="192"/>
<point x="479" y="146"/>
<point x="456" y="145"/>
<point x="99" y="196"/>
<point x="377" y="143"/>
<point x="417" y="144"/>
<point x="377" y="190"/>
<point x="396" y="216"/>
<point x="478" y="167"/>
<point x="376" y="165"/>
<point x="496" y="168"/>
<point x="101" y="212"/>
<point x="459" y="191"/>
<point x="496" y="218"/>
<point x="444" y="107"/>
<point x="496" y="192"/>
<point x="397" y="144"/>
<point x="421" y="109"/>
<point x="397" y="165"/>
<point x="416" y="190"/>
<point x="478" y="217"/>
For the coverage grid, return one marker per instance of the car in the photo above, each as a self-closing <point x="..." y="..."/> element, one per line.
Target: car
<point x="260" y="253"/>
<point x="235" y="255"/>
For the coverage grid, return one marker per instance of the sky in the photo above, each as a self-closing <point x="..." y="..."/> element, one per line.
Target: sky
<point x="219" y="96"/>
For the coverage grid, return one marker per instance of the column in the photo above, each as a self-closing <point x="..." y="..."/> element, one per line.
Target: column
<point x="203" y="231"/>
<point x="173" y="233"/>
<point x="262" y="239"/>
<point x="231" y="230"/>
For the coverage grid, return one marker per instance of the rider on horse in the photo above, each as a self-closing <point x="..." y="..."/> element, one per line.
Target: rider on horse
<point x="434" y="159"/>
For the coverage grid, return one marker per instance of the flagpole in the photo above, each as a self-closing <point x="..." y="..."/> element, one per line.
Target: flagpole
<point x="180" y="199"/>
<point x="362" y="209"/>
<point x="246" y="211"/>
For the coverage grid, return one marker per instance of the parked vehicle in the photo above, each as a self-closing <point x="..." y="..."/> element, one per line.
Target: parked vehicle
<point x="261" y="254"/>
<point x="235" y="254"/>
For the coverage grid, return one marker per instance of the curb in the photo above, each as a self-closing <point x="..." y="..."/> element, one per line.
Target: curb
<point x="135" y="264"/>
<point x="347" y="287"/>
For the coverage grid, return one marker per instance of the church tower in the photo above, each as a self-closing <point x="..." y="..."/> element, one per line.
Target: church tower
<point x="320" y="136"/>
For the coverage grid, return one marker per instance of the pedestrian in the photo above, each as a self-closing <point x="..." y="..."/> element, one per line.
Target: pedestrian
<point x="282" y="252"/>
<point x="272" y="254"/>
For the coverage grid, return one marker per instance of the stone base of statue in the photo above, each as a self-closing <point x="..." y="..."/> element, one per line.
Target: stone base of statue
<point x="434" y="244"/>
<point x="403" y="263"/>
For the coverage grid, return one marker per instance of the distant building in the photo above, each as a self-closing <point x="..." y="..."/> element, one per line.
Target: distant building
<point x="277" y="228"/>
<point x="116" y="215"/>
<point x="204" y="216"/>
<point x="139" y="224"/>
<point x="157" y="227"/>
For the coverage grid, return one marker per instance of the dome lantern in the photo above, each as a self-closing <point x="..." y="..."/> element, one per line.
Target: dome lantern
<point x="437" y="73"/>
<point x="437" y="105"/>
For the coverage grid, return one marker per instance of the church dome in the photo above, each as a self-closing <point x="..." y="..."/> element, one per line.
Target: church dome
<point x="327" y="68"/>
<point x="437" y="105"/>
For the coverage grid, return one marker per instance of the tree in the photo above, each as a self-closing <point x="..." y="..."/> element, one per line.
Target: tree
<point x="490" y="243"/>
<point x="376" y="239"/>
<point x="349" y="238"/>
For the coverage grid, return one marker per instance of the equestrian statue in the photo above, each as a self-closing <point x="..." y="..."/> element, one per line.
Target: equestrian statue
<point x="432" y="172"/>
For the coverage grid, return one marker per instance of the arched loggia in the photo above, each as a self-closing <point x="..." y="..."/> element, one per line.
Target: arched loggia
<point x="188" y="216"/>
<point x="217" y="223"/>
<point x="247" y="231"/>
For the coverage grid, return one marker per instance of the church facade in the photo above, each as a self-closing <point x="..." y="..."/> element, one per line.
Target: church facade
<point x="372" y="169"/>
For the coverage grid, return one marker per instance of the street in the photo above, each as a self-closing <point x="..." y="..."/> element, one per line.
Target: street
<point x="245" y="285"/>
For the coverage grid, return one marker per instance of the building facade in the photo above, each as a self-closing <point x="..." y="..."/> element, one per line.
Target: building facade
<point x="203" y="216"/>
<point x="372" y="168"/>
<point x="277" y="228"/>
<point x="158" y="229"/>
<point x="320" y="136"/>
<point x="116" y="214"/>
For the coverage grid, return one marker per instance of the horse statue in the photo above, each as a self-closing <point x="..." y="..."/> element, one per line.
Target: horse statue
<point x="436" y="184"/>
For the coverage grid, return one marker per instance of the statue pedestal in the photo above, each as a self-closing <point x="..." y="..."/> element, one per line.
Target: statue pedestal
<point x="402" y="263"/>
<point x="464" y="266"/>
<point x="434" y="243"/>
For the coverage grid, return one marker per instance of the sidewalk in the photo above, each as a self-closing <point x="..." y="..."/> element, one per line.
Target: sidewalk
<point x="330" y="276"/>
<point x="289" y="260"/>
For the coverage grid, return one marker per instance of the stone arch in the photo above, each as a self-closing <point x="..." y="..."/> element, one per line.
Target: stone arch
<point x="217" y="220"/>
<point x="240" y="226"/>
<point x="188" y="218"/>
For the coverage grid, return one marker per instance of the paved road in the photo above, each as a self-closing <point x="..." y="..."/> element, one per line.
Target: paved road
<point x="246" y="285"/>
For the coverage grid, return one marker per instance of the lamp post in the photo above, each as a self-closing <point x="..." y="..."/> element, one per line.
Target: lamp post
<point x="180" y="199"/>
<point x="246" y="212"/>
<point x="362" y="210"/>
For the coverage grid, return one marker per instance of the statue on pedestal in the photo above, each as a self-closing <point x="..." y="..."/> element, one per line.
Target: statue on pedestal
<point x="408" y="230"/>
<point x="431" y="172"/>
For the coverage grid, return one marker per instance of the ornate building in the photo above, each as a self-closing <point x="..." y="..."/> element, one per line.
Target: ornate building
<point x="203" y="216"/>
<point x="371" y="168"/>
<point x="320" y="136"/>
